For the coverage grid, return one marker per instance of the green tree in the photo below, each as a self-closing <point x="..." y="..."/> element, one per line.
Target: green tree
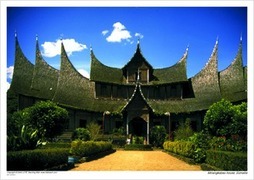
<point x="217" y="117"/>
<point x="158" y="135"/>
<point x="45" y="116"/>
<point x="184" y="131"/>
<point x="48" y="118"/>
<point x="12" y="107"/>
<point x="239" y="125"/>
<point x="225" y="119"/>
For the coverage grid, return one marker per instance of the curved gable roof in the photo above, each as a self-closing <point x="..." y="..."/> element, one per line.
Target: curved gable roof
<point x="72" y="88"/>
<point x="232" y="80"/>
<point x="45" y="77"/>
<point x="206" y="83"/>
<point x="175" y="73"/>
<point x="23" y="72"/>
<point x="102" y="73"/>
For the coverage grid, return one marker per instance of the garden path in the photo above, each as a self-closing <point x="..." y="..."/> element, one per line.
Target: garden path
<point x="137" y="161"/>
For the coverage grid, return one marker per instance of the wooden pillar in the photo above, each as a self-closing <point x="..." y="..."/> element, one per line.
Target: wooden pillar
<point x="147" y="123"/>
<point x="127" y="125"/>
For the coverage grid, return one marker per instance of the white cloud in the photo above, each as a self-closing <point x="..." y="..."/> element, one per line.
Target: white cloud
<point x="52" y="49"/>
<point x="139" y="35"/>
<point x="84" y="73"/>
<point x="119" y="33"/>
<point x="10" y="72"/>
<point x="104" y="32"/>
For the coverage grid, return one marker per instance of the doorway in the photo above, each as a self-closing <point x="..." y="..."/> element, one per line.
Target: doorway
<point x="138" y="127"/>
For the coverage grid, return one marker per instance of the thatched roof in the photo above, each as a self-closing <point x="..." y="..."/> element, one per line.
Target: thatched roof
<point x="69" y="88"/>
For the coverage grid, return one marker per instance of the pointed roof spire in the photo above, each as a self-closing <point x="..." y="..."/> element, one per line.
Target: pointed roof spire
<point x="91" y="51"/>
<point x="215" y="46"/>
<point x="186" y="51"/>
<point x="138" y="46"/>
<point x="36" y="38"/>
<point x="15" y="34"/>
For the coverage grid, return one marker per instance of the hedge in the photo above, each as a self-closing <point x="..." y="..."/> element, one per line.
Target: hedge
<point x="183" y="148"/>
<point x="38" y="159"/>
<point x="139" y="147"/>
<point x="87" y="148"/>
<point x="54" y="145"/>
<point x="228" y="161"/>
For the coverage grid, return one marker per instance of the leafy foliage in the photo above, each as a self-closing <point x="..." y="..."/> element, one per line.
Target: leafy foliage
<point x="229" y="161"/>
<point x="239" y="125"/>
<point x="82" y="134"/>
<point x="184" y="148"/>
<point x="201" y="140"/>
<point x="87" y="148"/>
<point x="38" y="159"/>
<point x="184" y="131"/>
<point x="223" y="144"/>
<point x="94" y="129"/>
<point x="158" y="135"/>
<point x="137" y="140"/>
<point x="138" y="147"/>
<point x="48" y="118"/>
<point x="26" y="139"/>
<point x="30" y="126"/>
<point x="225" y="119"/>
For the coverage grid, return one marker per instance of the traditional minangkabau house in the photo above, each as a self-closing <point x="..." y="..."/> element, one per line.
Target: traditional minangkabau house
<point x="135" y="97"/>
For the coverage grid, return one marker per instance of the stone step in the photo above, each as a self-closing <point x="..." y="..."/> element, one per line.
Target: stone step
<point x="66" y="136"/>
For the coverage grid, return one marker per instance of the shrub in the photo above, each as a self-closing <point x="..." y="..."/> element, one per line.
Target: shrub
<point x="27" y="138"/>
<point x="184" y="148"/>
<point x="201" y="141"/>
<point x="94" y="130"/>
<point x="55" y="145"/>
<point x="139" y="147"/>
<point x="207" y="167"/>
<point x="45" y="116"/>
<point x="229" y="161"/>
<point x="184" y="131"/>
<point x="158" y="135"/>
<point x="223" y="144"/>
<point x="224" y="119"/>
<point x="88" y="148"/>
<point x="38" y="159"/>
<point x="82" y="134"/>
<point x="137" y="140"/>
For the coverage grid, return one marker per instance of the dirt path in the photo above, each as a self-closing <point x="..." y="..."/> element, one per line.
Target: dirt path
<point x="136" y="161"/>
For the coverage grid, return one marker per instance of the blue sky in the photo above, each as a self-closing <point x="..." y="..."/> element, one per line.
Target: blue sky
<point x="113" y="32"/>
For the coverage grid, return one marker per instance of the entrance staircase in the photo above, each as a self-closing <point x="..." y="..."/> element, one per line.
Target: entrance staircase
<point x="65" y="137"/>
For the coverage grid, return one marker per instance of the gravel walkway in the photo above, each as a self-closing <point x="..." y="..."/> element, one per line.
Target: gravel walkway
<point x="136" y="161"/>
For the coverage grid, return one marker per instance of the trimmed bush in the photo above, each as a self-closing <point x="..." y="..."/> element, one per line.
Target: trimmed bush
<point x="184" y="148"/>
<point x="138" y="147"/>
<point x="51" y="145"/>
<point x="207" y="167"/>
<point x="87" y="148"/>
<point x="82" y="134"/>
<point x="229" y="161"/>
<point x="38" y="159"/>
